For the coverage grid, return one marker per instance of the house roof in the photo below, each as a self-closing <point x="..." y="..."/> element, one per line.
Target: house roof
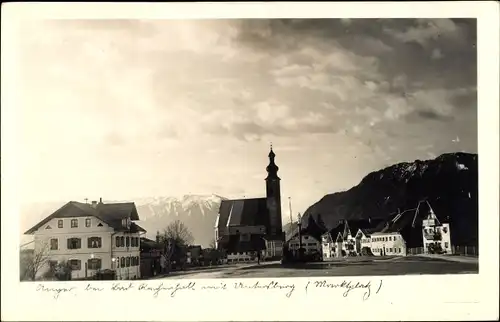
<point x="149" y="244"/>
<point x="367" y="231"/>
<point x="110" y="213"/>
<point x="303" y="234"/>
<point x="398" y="222"/>
<point x="339" y="237"/>
<point x="243" y="212"/>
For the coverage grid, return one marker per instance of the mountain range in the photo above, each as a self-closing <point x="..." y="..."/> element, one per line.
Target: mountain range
<point x="449" y="183"/>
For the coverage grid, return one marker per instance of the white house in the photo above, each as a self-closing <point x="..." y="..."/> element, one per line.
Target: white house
<point x="435" y="234"/>
<point x="388" y="244"/>
<point x="327" y="246"/>
<point x="363" y="240"/>
<point x="90" y="237"/>
<point x="309" y="243"/>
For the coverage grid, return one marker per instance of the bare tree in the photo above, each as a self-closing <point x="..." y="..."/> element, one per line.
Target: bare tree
<point x="32" y="263"/>
<point x="178" y="233"/>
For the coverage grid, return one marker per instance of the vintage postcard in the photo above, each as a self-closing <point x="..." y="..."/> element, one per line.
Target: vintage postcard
<point x="293" y="161"/>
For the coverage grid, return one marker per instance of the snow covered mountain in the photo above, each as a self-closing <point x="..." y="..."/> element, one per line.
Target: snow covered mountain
<point x="197" y="212"/>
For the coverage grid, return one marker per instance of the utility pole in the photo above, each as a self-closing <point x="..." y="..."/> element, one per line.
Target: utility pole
<point x="291" y="219"/>
<point x="299" y="224"/>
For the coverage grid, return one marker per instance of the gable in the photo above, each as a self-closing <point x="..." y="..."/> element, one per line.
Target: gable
<point x="67" y="210"/>
<point x="110" y="214"/>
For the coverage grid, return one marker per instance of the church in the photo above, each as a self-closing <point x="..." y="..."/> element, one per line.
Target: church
<point x="246" y="227"/>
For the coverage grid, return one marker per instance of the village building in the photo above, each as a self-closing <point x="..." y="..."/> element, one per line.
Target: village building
<point x="308" y="242"/>
<point x="193" y="255"/>
<point x="436" y="235"/>
<point x="364" y="241"/>
<point x="90" y="238"/>
<point x="150" y="257"/>
<point x="388" y="244"/>
<point x="344" y="240"/>
<point x="249" y="229"/>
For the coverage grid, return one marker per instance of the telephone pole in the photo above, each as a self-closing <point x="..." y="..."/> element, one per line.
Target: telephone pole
<point x="291" y="219"/>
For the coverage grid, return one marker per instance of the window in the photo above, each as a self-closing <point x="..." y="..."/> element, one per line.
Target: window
<point x="128" y="241"/>
<point x="48" y="227"/>
<point x="128" y="261"/>
<point x="94" y="263"/>
<point x="132" y="241"/>
<point x="122" y="241"/>
<point x="87" y="222"/>
<point x="74" y="243"/>
<point x="74" y="223"/>
<point x="117" y="242"/>
<point x="75" y="264"/>
<point x="99" y="225"/>
<point x="94" y="242"/>
<point x="445" y="244"/>
<point x="399" y="250"/>
<point x="60" y="223"/>
<point x="54" y="244"/>
<point x="122" y="262"/>
<point x="118" y="262"/>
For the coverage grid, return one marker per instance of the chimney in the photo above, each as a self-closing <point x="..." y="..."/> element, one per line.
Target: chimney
<point x="94" y="203"/>
<point x="157" y="236"/>
<point x="100" y="200"/>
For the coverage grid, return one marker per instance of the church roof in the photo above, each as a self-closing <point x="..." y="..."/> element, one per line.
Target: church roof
<point x="243" y="212"/>
<point x="110" y="213"/>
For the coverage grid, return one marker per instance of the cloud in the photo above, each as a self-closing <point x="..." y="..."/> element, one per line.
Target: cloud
<point x="426" y="30"/>
<point x="437" y="54"/>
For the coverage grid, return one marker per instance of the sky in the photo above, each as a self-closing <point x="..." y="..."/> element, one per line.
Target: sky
<point x="123" y="109"/>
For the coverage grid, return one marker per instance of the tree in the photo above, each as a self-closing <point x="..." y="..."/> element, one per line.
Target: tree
<point x="174" y="239"/>
<point x="30" y="264"/>
<point x="178" y="233"/>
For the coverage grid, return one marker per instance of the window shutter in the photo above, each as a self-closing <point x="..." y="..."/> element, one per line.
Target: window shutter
<point x="79" y="243"/>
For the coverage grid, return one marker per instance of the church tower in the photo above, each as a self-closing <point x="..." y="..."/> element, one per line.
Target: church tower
<point x="273" y="195"/>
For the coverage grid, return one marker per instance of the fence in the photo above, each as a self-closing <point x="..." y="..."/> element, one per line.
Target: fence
<point x="466" y="250"/>
<point x="456" y="250"/>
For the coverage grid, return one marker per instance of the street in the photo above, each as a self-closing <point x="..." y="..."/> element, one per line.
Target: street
<point x="411" y="265"/>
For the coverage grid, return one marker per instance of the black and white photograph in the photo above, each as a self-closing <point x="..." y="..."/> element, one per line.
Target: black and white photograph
<point x="162" y="150"/>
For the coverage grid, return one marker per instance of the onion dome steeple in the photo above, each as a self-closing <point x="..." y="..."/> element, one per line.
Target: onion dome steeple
<point x="272" y="168"/>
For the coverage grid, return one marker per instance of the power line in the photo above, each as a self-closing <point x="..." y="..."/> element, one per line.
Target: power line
<point x="27" y="243"/>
